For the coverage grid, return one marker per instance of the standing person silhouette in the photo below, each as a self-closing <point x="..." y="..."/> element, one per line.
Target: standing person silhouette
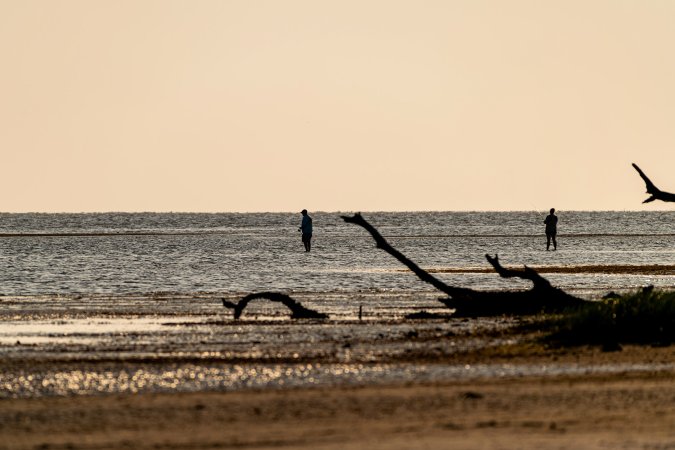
<point x="551" y="222"/>
<point x="306" y="228"/>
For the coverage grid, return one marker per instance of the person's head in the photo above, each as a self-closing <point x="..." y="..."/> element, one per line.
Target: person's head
<point x="552" y="210"/>
<point x="303" y="212"/>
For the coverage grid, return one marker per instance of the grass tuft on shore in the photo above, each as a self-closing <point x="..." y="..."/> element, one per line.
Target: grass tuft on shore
<point x="644" y="317"/>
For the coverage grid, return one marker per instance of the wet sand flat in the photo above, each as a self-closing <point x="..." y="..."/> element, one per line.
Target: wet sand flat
<point x="101" y="373"/>
<point x="619" y="411"/>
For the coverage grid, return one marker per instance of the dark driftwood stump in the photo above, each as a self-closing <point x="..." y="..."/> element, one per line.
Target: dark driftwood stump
<point x="297" y="310"/>
<point x="656" y="193"/>
<point x="467" y="302"/>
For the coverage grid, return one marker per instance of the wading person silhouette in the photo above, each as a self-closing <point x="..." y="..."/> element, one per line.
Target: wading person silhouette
<point x="551" y="222"/>
<point x="306" y="228"/>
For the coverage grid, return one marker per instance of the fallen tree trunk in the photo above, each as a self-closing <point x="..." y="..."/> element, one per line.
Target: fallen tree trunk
<point x="297" y="310"/>
<point x="468" y="302"/>
<point x="656" y="193"/>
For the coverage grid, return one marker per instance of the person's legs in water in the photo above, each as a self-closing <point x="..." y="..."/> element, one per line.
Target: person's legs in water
<point x="555" y="244"/>
<point x="307" y="241"/>
<point x="548" y="241"/>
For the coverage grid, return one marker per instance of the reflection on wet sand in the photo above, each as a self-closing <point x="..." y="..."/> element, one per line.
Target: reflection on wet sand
<point x="135" y="378"/>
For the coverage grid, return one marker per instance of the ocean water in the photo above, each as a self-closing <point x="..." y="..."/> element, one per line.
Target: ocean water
<point x="129" y="253"/>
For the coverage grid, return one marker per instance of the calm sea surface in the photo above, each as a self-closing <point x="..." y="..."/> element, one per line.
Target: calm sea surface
<point x="115" y="253"/>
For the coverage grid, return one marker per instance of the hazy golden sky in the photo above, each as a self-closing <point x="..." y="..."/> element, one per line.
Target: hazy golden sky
<point x="136" y="105"/>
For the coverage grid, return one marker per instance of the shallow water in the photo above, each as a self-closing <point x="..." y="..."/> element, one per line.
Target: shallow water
<point x="237" y="253"/>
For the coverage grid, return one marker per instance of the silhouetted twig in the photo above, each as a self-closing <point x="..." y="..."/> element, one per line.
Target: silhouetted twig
<point x="297" y="310"/>
<point x="656" y="193"/>
<point x="423" y="275"/>
<point x="526" y="274"/>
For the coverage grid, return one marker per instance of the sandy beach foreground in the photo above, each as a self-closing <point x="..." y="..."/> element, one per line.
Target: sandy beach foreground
<point x="91" y="373"/>
<point x="599" y="411"/>
<point x="569" y="412"/>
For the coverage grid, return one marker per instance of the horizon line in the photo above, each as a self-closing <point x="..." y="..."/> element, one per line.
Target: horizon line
<point x="335" y="211"/>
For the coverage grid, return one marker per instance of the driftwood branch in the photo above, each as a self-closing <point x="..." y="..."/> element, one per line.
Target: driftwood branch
<point x="468" y="302"/>
<point x="656" y="193"/>
<point x="526" y="274"/>
<point x="381" y="243"/>
<point x="297" y="310"/>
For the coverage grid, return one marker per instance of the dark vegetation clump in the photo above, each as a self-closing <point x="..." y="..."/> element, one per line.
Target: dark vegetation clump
<point x="644" y="317"/>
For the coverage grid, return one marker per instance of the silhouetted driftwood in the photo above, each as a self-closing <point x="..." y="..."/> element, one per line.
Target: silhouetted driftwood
<point x="526" y="273"/>
<point x="297" y="310"/>
<point x="467" y="302"/>
<point x="381" y="243"/>
<point x="656" y="193"/>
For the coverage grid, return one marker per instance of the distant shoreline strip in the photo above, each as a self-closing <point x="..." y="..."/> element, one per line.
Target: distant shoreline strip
<point x="216" y="232"/>
<point x="538" y="235"/>
<point x="122" y="233"/>
<point x="649" y="269"/>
